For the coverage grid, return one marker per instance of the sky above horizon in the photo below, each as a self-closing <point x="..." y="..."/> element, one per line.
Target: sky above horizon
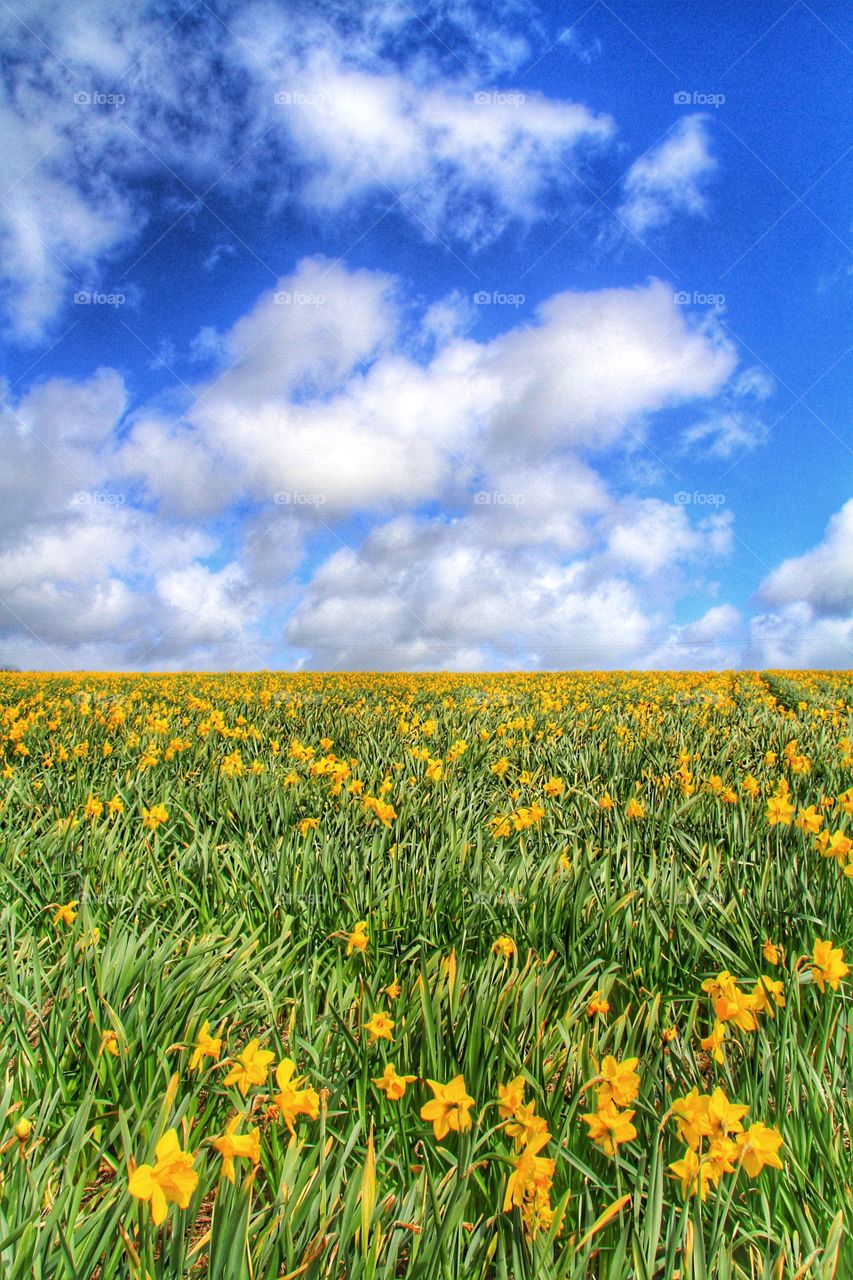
<point x="426" y="336"/>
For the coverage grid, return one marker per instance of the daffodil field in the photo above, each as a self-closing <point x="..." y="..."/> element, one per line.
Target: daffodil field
<point x="513" y="976"/>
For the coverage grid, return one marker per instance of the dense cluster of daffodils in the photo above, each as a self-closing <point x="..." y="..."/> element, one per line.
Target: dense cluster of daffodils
<point x="717" y="1143"/>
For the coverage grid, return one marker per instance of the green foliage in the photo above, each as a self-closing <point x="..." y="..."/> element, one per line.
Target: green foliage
<point x="226" y="913"/>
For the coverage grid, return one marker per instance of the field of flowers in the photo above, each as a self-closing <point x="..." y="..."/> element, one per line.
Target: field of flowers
<point x="426" y="976"/>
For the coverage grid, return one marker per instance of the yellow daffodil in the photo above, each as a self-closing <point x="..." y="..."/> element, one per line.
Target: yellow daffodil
<point x="109" y="1044"/>
<point x="759" y="1148"/>
<point x="171" y="1180"/>
<point x="155" y="816"/>
<point x="206" y="1046"/>
<point x="510" y="1097"/>
<point x="692" y="1173"/>
<point x="828" y="967"/>
<point x="598" y="1006"/>
<point x="380" y="1027"/>
<point x="66" y="913"/>
<point x="809" y="821"/>
<point x="449" y="1107"/>
<point x="525" y="1125"/>
<point x="620" y="1083"/>
<point x="779" y="811"/>
<point x="358" y="939"/>
<point x="250" y="1067"/>
<point x="392" y="1084"/>
<point x="608" y="1127"/>
<point x="232" y="1145"/>
<point x="713" y="1043"/>
<point x="767" y="995"/>
<point x="530" y="1172"/>
<point x="294" y="1098"/>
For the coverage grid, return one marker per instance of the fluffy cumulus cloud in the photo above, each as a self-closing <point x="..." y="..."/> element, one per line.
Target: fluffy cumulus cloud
<point x="823" y="577"/>
<point x="87" y="576"/>
<point x="421" y="594"/>
<point x="808" y="599"/>
<point x="446" y="593"/>
<point x="714" y="640"/>
<point x="326" y="409"/>
<point x="56" y="442"/>
<point x="319" y="405"/>
<point x="183" y="537"/>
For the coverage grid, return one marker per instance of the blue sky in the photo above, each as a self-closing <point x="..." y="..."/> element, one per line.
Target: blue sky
<point x="426" y="336"/>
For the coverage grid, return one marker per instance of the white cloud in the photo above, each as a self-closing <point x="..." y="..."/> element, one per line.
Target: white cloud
<point x="423" y="592"/>
<point x="669" y="178"/>
<point x="305" y="337"/>
<point x="494" y="430"/>
<point x="796" y="637"/>
<point x="754" y="382"/>
<point x="86" y="576"/>
<point x="206" y="605"/>
<point x="55" y="443"/>
<point x="429" y="594"/>
<point x="823" y="577"/>
<point x="557" y="505"/>
<point x="124" y="96"/>
<point x="721" y="621"/>
<point x="329" y="406"/>
<point x="53" y="233"/>
<point x="809" y="598"/>
<point x="724" y="433"/>
<point x="713" y="642"/>
<point x="648" y="536"/>
<point x="321" y="404"/>
<point x="584" y="51"/>
<point x="464" y="161"/>
<point x="596" y="362"/>
<point x="731" y="425"/>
